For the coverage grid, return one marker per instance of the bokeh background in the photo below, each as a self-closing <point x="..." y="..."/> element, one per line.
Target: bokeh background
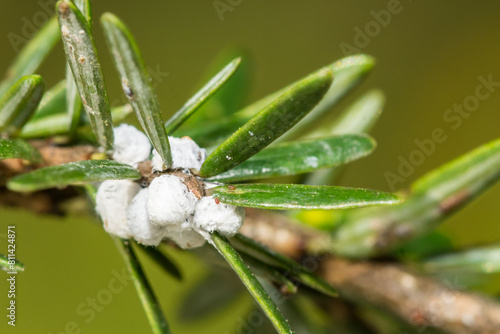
<point x="429" y="57"/>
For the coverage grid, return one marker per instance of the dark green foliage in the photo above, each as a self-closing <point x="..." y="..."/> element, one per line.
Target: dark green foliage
<point x="301" y="197"/>
<point x="19" y="103"/>
<point x="136" y="83"/>
<point x="72" y="174"/>
<point x="82" y="57"/>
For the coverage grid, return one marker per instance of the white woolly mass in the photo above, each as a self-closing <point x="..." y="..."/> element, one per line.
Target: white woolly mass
<point x="185" y="154"/>
<point x="138" y="221"/>
<point x="131" y="146"/>
<point x="167" y="209"/>
<point x="157" y="162"/>
<point x="183" y="235"/>
<point x="112" y="200"/>
<point x="210" y="216"/>
<point x="170" y="202"/>
<point x="187" y="239"/>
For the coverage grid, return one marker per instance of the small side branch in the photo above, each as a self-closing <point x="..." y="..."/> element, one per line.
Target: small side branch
<point x="421" y="301"/>
<point x="418" y="300"/>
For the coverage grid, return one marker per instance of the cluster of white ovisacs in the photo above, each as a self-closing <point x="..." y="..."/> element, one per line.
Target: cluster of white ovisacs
<point x="165" y="209"/>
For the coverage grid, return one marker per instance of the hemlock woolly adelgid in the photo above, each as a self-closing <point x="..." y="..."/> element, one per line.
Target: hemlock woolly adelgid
<point x="170" y="202"/>
<point x="112" y="199"/>
<point x="210" y="216"/>
<point x="166" y="209"/>
<point x="185" y="154"/>
<point x="139" y="223"/>
<point x="184" y="236"/>
<point x="131" y="146"/>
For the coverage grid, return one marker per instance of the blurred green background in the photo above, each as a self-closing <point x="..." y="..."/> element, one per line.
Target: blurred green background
<point x="429" y="57"/>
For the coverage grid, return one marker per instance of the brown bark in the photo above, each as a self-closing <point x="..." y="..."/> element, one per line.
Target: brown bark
<point x="47" y="201"/>
<point x="420" y="301"/>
